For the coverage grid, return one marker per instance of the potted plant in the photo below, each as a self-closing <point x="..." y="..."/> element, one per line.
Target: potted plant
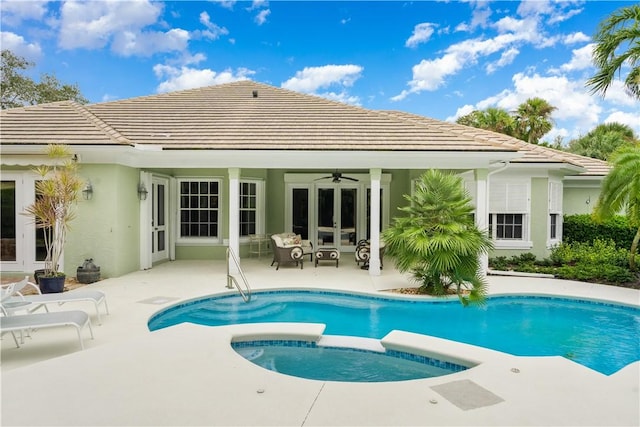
<point x="57" y="194"/>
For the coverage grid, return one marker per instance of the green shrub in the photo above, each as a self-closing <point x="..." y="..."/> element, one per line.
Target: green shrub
<point x="499" y="263"/>
<point x="599" y="252"/>
<point x="600" y="261"/>
<point x="582" y="228"/>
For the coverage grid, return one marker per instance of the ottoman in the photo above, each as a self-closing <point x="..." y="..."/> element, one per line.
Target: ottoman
<point x="327" y="254"/>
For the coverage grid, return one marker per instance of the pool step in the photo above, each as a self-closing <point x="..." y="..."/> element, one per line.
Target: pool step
<point x="208" y="316"/>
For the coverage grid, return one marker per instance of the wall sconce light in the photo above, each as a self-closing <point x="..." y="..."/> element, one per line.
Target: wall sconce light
<point x="87" y="191"/>
<point x="142" y="191"/>
<point x="588" y="200"/>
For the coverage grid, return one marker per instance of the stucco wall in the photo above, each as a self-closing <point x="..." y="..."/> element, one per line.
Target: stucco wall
<point x="579" y="200"/>
<point x="106" y="227"/>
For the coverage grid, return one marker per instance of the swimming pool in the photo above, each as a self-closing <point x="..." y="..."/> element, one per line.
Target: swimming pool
<point x="309" y="360"/>
<point x="599" y="335"/>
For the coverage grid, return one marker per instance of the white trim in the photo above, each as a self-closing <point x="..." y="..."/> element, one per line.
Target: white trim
<point x="513" y="244"/>
<point x="197" y="241"/>
<point x="234" y="217"/>
<point x="145" y="223"/>
<point x="260" y="205"/>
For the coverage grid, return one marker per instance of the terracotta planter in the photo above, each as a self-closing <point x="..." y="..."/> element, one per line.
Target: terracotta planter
<point x="51" y="285"/>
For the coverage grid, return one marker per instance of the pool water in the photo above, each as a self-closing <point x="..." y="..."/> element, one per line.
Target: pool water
<point x="308" y="360"/>
<point x="601" y="336"/>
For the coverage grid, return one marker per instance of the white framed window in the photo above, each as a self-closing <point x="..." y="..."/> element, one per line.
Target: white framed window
<point x="251" y="207"/>
<point x="509" y="203"/>
<point x="199" y="209"/>
<point x="555" y="212"/>
<point x="507" y="226"/>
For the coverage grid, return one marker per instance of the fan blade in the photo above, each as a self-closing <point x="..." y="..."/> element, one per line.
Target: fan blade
<point x="324" y="177"/>
<point x="350" y="179"/>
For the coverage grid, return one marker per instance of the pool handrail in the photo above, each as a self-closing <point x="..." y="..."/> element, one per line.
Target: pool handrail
<point x="231" y="280"/>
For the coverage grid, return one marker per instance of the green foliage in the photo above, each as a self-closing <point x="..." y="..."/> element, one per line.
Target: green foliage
<point x="533" y="119"/>
<point x="617" y="50"/>
<point x="597" y="253"/>
<point x="584" y="229"/>
<point x="600" y="261"/>
<point x="437" y="241"/>
<point x="529" y="123"/>
<point x="603" y="140"/>
<point x="621" y="191"/>
<point x="18" y="90"/>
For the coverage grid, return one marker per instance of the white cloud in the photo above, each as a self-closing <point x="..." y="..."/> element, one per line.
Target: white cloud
<point x="15" y="12"/>
<point x="571" y="99"/>
<point x="93" y="25"/>
<point x="421" y="34"/>
<point x="261" y="17"/>
<point x="580" y="59"/>
<point x="630" y="119"/>
<point x="578" y="37"/>
<point x="617" y="95"/>
<point x="310" y="79"/>
<point x="19" y="46"/>
<point x="227" y="4"/>
<point x="343" y="97"/>
<point x="506" y="58"/>
<point x="213" y="31"/>
<point x="129" y="43"/>
<point x="189" y="78"/>
<point x="479" y="17"/>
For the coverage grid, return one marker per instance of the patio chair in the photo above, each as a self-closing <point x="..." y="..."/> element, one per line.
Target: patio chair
<point x="286" y="252"/>
<point x="25" y="322"/>
<point x="14" y="301"/>
<point x="363" y="253"/>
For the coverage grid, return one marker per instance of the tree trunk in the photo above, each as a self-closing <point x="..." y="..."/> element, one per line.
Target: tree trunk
<point x="634" y="250"/>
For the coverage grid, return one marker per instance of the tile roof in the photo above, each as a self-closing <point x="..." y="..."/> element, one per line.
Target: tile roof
<point x="532" y="153"/>
<point x="246" y="115"/>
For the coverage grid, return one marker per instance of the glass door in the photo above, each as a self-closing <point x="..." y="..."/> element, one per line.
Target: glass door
<point x="159" y="232"/>
<point x="337" y="216"/>
<point x="21" y="244"/>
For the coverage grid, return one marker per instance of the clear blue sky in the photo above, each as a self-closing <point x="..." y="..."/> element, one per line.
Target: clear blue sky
<point x="438" y="59"/>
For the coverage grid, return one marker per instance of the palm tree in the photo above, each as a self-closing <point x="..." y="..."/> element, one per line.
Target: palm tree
<point x="603" y="140"/>
<point x="618" y="31"/>
<point x="621" y="190"/>
<point x="438" y="241"/>
<point x="494" y="119"/>
<point x="533" y="119"/>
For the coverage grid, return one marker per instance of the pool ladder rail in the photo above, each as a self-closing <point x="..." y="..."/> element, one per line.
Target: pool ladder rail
<point x="232" y="281"/>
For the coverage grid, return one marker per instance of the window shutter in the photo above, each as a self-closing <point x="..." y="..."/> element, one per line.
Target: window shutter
<point x="555" y="197"/>
<point x="509" y="197"/>
<point x="498" y="197"/>
<point x="517" y="197"/>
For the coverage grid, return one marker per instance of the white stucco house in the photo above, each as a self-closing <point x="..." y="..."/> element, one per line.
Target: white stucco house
<point x="224" y="162"/>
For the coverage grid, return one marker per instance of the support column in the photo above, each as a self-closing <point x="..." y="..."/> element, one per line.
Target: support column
<point x="374" y="260"/>
<point x="146" y="214"/>
<point x="482" y="210"/>
<point x="234" y="216"/>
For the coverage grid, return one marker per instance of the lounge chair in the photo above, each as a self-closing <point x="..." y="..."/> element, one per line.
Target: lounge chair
<point x="16" y="302"/>
<point x="22" y="322"/>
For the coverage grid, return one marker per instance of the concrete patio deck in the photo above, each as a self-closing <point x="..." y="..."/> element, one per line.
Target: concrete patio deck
<point x="189" y="375"/>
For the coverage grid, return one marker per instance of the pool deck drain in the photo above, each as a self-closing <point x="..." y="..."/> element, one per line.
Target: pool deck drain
<point x="466" y="394"/>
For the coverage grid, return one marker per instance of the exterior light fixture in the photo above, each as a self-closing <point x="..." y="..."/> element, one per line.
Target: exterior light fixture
<point x="142" y="191"/>
<point x="87" y="191"/>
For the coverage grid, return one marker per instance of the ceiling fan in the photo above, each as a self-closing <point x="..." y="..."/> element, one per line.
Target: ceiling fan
<point x="337" y="177"/>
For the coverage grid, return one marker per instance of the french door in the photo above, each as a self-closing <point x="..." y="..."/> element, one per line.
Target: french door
<point x="336" y="216"/>
<point x="21" y="244"/>
<point x="159" y="219"/>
